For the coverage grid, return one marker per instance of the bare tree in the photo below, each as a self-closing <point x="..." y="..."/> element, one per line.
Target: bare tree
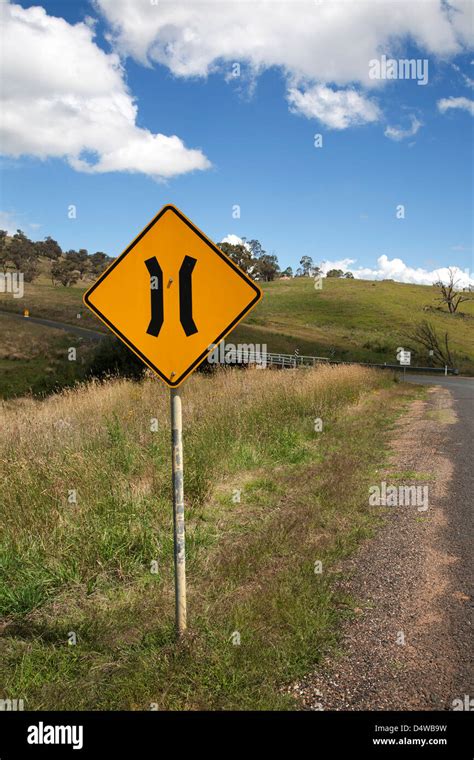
<point x="450" y="293"/>
<point x="425" y="335"/>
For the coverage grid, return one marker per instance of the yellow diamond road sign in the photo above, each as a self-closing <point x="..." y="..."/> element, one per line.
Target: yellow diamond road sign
<point x="172" y="295"/>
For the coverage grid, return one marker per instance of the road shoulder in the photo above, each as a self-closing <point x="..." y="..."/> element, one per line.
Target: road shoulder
<point x="407" y="646"/>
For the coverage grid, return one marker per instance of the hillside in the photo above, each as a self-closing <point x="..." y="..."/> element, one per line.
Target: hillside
<point x="358" y="320"/>
<point x="350" y="320"/>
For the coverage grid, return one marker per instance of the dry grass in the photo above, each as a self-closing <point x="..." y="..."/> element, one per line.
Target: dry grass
<point x="85" y="567"/>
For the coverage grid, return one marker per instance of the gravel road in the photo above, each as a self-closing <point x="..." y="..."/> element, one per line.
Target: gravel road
<point x="409" y="645"/>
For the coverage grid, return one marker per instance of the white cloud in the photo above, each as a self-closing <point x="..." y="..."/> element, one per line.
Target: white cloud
<point x="308" y="39"/>
<point x="335" y="109"/>
<point x="396" y="133"/>
<point x="9" y="222"/>
<point x="396" y="269"/>
<point x="314" y="44"/>
<point x="64" y="97"/>
<point x="344" y="264"/>
<point x="233" y="240"/>
<point x="467" y="80"/>
<point x="464" y="103"/>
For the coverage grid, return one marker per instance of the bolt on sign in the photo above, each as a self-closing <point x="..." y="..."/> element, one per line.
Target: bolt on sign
<point x="172" y="296"/>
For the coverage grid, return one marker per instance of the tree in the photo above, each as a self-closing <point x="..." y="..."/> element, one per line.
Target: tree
<point x="335" y="273"/>
<point x="306" y="263"/>
<point x="48" y="248"/>
<point x="239" y="254"/>
<point x="98" y="262"/>
<point x="80" y="260"/>
<point x="266" y="267"/>
<point x="299" y="272"/>
<point x="348" y="275"/>
<point x="64" y="272"/>
<point x="3" y="251"/>
<point x="316" y="271"/>
<point x="425" y="335"/>
<point x="255" y="246"/>
<point x="288" y="272"/>
<point x="22" y="255"/>
<point x="449" y="292"/>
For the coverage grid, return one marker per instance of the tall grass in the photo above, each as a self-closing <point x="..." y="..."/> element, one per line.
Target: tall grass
<point x="85" y="510"/>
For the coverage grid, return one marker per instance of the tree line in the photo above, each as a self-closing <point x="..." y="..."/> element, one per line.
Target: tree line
<point x="20" y="254"/>
<point x="260" y="265"/>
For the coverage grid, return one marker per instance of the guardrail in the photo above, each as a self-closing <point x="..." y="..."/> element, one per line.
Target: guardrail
<point x="292" y="361"/>
<point x="443" y="370"/>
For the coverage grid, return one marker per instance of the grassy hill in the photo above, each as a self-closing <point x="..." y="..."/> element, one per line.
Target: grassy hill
<point x="350" y="320"/>
<point x="356" y="320"/>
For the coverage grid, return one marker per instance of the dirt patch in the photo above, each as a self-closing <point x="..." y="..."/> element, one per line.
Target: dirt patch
<point x="407" y="645"/>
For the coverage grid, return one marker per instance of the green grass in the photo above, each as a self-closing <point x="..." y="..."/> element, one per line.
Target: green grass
<point x="85" y="567"/>
<point x="34" y="358"/>
<point x="350" y="320"/>
<point x="356" y="320"/>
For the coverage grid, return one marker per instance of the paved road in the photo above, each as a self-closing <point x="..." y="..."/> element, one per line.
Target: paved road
<point x="462" y="387"/>
<point x="84" y="332"/>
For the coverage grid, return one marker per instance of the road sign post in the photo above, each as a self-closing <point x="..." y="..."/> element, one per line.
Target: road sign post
<point x="404" y="357"/>
<point x="171" y="297"/>
<point x="177" y="470"/>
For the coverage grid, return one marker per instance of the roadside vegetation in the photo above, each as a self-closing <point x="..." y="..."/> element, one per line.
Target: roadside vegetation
<point x="86" y="546"/>
<point x="34" y="359"/>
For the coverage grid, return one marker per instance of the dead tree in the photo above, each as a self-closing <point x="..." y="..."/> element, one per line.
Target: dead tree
<point x="425" y="335"/>
<point x="450" y="293"/>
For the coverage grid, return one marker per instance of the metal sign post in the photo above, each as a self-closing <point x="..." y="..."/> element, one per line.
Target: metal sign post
<point x="178" y="509"/>
<point x="173" y="329"/>
<point x="404" y="357"/>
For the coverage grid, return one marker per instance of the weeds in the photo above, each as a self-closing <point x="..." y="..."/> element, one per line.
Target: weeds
<point x="85" y="566"/>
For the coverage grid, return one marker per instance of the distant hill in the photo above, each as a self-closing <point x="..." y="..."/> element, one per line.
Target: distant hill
<point x="352" y="320"/>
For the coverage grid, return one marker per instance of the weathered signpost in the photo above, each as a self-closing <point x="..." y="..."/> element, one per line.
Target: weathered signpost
<point x="171" y="297"/>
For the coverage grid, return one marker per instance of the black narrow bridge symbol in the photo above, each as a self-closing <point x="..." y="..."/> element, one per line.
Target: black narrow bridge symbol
<point x="185" y="296"/>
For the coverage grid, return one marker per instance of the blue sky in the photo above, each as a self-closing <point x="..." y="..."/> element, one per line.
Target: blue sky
<point x="243" y="140"/>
